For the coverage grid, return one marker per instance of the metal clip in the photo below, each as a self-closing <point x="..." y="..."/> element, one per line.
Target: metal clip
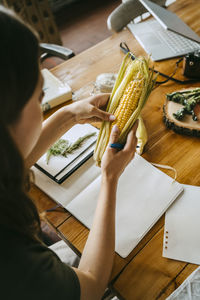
<point x="124" y="47"/>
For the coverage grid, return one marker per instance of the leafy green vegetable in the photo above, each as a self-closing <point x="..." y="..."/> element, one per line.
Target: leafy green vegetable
<point x="188" y="99"/>
<point x="63" y="147"/>
<point x="179" y="115"/>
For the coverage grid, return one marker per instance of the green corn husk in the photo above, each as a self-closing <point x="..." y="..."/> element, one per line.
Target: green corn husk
<point x="128" y="72"/>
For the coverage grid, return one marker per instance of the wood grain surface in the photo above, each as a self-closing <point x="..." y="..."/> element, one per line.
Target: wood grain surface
<point x="144" y="274"/>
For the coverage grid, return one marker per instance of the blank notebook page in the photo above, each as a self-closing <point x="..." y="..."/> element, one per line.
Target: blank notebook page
<point x="182" y="223"/>
<point x="144" y="194"/>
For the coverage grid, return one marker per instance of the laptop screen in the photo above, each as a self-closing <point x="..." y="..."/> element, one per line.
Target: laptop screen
<point x="169" y="20"/>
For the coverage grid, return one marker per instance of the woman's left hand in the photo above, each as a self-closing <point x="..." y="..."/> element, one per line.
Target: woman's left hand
<point x="92" y="109"/>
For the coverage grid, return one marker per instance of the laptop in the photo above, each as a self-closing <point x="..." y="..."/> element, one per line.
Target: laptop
<point x="166" y="36"/>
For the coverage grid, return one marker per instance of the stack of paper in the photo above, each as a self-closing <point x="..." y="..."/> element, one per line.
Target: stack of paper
<point x="55" y="92"/>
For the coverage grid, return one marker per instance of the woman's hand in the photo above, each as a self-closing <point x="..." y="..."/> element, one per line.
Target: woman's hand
<point x="91" y="109"/>
<point x="114" y="161"/>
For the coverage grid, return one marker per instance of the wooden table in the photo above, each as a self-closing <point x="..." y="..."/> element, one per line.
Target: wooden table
<point x="144" y="274"/>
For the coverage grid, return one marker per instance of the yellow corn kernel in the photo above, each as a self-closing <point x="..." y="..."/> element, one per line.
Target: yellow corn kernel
<point x="128" y="103"/>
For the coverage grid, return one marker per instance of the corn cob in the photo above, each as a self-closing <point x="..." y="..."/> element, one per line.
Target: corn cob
<point x="128" y="103"/>
<point x="132" y="87"/>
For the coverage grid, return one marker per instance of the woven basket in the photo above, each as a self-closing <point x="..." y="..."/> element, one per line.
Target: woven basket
<point x="56" y="5"/>
<point x="39" y="15"/>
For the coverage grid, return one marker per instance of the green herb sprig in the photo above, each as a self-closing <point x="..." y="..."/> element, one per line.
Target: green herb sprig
<point x="188" y="99"/>
<point x="63" y="147"/>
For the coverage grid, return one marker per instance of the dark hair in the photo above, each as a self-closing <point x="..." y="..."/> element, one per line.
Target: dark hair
<point x="19" y="74"/>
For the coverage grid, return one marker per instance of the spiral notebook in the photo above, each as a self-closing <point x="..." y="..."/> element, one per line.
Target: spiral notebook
<point x="144" y="194"/>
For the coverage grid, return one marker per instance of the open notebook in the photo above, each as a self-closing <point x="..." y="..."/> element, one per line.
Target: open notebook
<point x="59" y="167"/>
<point x="144" y="194"/>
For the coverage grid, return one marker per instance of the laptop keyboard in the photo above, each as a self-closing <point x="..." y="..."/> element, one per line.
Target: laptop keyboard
<point x="177" y="43"/>
<point x="157" y="41"/>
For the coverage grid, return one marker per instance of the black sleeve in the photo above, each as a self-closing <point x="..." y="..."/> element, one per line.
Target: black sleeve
<point x="39" y="274"/>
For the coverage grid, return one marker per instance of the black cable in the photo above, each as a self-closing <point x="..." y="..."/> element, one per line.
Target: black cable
<point x="124" y="47"/>
<point x="169" y="77"/>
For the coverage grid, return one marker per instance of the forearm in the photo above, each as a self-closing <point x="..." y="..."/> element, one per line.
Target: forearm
<point x="98" y="254"/>
<point x="53" y="128"/>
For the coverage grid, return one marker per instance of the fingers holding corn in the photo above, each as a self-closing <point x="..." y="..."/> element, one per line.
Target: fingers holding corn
<point x="115" y="161"/>
<point x="131" y="141"/>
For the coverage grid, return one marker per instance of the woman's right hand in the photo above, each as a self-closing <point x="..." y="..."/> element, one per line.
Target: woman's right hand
<point x="114" y="161"/>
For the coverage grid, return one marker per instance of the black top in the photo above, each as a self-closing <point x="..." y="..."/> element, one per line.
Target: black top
<point x="29" y="270"/>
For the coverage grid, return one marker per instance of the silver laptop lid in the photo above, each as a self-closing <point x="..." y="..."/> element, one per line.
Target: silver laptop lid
<point x="170" y="20"/>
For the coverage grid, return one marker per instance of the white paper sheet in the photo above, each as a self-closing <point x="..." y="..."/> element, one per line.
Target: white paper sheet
<point x="182" y="225"/>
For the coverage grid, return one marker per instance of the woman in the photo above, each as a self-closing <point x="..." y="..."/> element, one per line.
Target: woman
<point x="29" y="270"/>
